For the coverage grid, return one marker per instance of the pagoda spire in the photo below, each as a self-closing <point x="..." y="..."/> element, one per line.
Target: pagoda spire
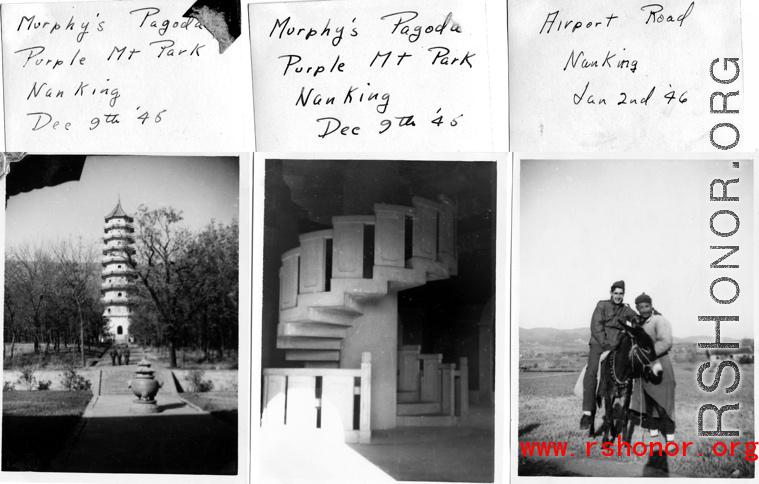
<point x="118" y="274"/>
<point x="118" y="212"/>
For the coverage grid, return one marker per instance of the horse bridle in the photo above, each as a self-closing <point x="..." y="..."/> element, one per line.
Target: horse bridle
<point x="620" y="384"/>
<point x="634" y="355"/>
<point x="637" y="355"/>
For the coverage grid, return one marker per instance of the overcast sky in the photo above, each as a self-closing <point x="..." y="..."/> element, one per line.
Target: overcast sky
<point x="585" y="224"/>
<point x="203" y="188"/>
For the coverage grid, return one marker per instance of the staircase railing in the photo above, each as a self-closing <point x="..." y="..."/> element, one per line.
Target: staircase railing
<point x="331" y="400"/>
<point x="425" y="378"/>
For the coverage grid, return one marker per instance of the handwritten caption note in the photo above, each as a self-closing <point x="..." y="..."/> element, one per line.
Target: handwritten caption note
<point x="595" y="75"/>
<point x="338" y="76"/>
<point x="117" y="76"/>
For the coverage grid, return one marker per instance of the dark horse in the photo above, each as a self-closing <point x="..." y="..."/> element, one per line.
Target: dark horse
<point x="632" y="358"/>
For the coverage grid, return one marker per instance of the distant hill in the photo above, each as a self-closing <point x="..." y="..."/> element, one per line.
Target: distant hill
<point x="553" y="336"/>
<point x="555" y="340"/>
<point x="705" y="339"/>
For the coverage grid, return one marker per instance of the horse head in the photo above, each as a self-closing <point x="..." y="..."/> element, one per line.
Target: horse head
<point x="640" y="351"/>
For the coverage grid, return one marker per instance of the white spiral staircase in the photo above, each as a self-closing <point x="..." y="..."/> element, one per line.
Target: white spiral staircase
<point x="333" y="274"/>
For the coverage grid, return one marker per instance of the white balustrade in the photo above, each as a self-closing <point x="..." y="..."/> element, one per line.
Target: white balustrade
<point x="408" y="369"/>
<point x="348" y="245"/>
<point x="290" y="399"/>
<point x="447" y="250"/>
<point x="313" y="261"/>
<point x="425" y="228"/>
<point x="435" y="381"/>
<point x="390" y="234"/>
<point x="288" y="279"/>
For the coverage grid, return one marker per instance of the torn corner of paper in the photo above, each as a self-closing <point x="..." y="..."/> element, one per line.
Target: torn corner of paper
<point x="221" y="19"/>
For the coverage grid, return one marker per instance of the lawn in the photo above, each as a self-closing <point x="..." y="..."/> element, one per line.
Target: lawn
<point x="190" y="359"/>
<point x="549" y="412"/>
<point x="36" y="425"/>
<point x="222" y="405"/>
<point x="23" y="355"/>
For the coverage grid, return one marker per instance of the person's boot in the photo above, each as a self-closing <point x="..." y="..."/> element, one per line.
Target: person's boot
<point x="585" y="422"/>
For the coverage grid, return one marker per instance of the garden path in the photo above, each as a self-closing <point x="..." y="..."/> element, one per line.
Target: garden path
<point x="180" y="439"/>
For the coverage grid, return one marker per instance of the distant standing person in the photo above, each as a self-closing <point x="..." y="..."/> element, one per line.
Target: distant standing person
<point x="120" y="353"/>
<point x="605" y="326"/>
<point x="113" y="356"/>
<point x="126" y="355"/>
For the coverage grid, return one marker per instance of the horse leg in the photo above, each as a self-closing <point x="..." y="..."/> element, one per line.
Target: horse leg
<point x="592" y="430"/>
<point x="608" y="418"/>
<point x="626" y="429"/>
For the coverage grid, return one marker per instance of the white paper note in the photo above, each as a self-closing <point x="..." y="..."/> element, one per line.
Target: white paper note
<point x="595" y="75"/>
<point x="385" y="76"/>
<point x="116" y="76"/>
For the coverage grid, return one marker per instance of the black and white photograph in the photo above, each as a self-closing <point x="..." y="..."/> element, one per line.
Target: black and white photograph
<point x="632" y="328"/>
<point x="378" y="320"/>
<point x="124" y="297"/>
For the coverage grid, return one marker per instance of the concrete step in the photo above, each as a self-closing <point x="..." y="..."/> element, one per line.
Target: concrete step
<point x="288" y="342"/>
<point x="115" y="383"/>
<point x="417" y="348"/>
<point x="418" y="408"/>
<point x="314" y="330"/>
<point x="400" y="278"/>
<point x="334" y="299"/>
<point x="434" y="270"/>
<point x="316" y="314"/>
<point x="321" y="364"/>
<point x="426" y="421"/>
<point x="361" y="290"/>
<point x="312" y="355"/>
<point x="333" y="315"/>
<point x="432" y="356"/>
<point x="407" y="397"/>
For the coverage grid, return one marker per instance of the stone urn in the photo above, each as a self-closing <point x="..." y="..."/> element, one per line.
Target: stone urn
<point x="145" y="388"/>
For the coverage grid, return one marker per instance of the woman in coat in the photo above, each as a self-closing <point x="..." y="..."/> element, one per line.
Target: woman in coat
<point x="655" y="403"/>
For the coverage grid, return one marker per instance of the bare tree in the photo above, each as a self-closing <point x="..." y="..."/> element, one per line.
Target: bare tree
<point x="78" y="277"/>
<point x="160" y="243"/>
<point x="28" y="278"/>
<point x="189" y="281"/>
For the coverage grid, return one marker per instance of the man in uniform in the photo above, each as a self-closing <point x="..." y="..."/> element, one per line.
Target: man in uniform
<point x="605" y="326"/>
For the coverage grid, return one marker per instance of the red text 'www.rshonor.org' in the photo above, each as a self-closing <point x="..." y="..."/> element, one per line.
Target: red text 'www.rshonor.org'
<point x="609" y="449"/>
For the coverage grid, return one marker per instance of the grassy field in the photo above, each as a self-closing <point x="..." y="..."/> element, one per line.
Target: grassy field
<point x="23" y="355"/>
<point x="222" y="405"/>
<point x="550" y="412"/>
<point x="36" y="425"/>
<point x="189" y="359"/>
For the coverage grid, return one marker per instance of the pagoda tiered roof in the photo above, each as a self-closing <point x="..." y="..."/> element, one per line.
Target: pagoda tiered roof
<point x="112" y="235"/>
<point x="115" y="286"/>
<point x="118" y="272"/>
<point x="118" y="212"/>
<point x="122" y="248"/>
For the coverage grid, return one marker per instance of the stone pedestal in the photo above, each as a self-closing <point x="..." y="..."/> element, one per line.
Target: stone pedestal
<point x="143" y="407"/>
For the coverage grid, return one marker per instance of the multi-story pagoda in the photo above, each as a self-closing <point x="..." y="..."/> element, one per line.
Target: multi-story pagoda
<point x="118" y="276"/>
